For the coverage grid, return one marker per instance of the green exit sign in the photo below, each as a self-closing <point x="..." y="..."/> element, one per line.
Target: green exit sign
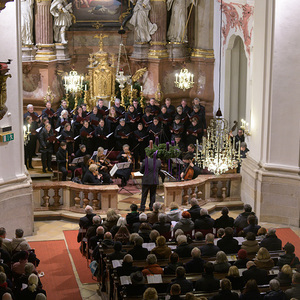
<point x="7" y="137"/>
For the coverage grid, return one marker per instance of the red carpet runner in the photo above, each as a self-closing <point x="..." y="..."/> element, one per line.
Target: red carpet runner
<point x="288" y="235"/>
<point x="59" y="280"/>
<point x="80" y="262"/>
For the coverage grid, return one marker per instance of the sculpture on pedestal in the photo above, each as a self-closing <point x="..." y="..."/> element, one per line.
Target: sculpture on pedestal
<point x="178" y="23"/>
<point x="27" y="21"/>
<point x="62" y="13"/>
<point x="140" y="20"/>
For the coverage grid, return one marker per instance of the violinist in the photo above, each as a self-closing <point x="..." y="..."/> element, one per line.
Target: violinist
<point x="190" y="171"/>
<point x="103" y="165"/>
<point x="92" y="176"/>
<point x="125" y="156"/>
<point x="85" y="164"/>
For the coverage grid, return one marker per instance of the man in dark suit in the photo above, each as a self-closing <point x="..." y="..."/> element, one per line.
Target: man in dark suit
<point x="260" y="275"/>
<point x="183" y="249"/>
<point x="150" y="168"/>
<point x="271" y="242"/>
<point x="138" y="252"/>
<point x="227" y="243"/>
<point x="87" y="221"/>
<point x="209" y="249"/>
<point x="208" y="282"/>
<point x="185" y="285"/>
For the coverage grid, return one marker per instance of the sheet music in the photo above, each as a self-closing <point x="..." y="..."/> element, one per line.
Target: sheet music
<point x="77" y="160"/>
<point x="105" y="151"/>
<point x="38" y="129"/>
<point x="148" y="246"/>
<point x="124" y="165"/>
<point x="125" y="280"/>
<point x="156" y="278"/>
<point x="57" y="129"/>
<point x="75" y="138"/>
<point x="177" y="161"/>
<point x="95" y="153"/>
<point x="138" y="174"/>
<point x="168" y="174"/>
<point x="113" y="170"/>
<point x="109" y="135"/>
<point x="117" y="263"/>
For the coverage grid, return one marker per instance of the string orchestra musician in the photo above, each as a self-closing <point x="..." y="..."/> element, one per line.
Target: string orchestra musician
<point x="190" y="170"/>
<point x="125" y="156"/>
<point x="29" y="144"/>
<point x="92" y="175"/>
<point x="103" y="164"/>
<point x="67" y="136"/>
<point x="47" y="139"/>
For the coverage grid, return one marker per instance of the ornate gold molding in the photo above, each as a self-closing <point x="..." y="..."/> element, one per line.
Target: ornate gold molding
<point x="203" y="53"/>
<point x="158" y="43"/>
<point x="158" y="53"/>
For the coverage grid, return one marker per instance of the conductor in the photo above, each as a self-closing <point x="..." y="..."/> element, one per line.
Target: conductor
<point x="150" y="181"/>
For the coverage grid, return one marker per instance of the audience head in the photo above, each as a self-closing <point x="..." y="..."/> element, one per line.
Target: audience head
<point x="203" y="212"/>
<point x="225" y="211"/>
<point x="88" y="210"/>
<point x="143" y="217"/>
<point x="242" y="254"/>
<point x="24" y="246"/>
<point x="194" y="201"/>
<point x="296" y="278"/>
<point x="133" y="207"/>
<point x="29" y="268"/>
<point x="2" y="232"/>
<point x="209" y="238"/>
<point x="154" y="234"/>
<point x="181" y="239"/>
<point x="251" y="219"/>
<point x="263" y="253"/>
<point x="174" y="258"/>
<point x="250" y="264"/>
<point x="156" y="206"/>
<point x="137" y="277"/>
<point x="100" y="230"/>
<point x="180" y="272"/>
<point x="251" y="285"/>
<point x="289" y="248"/>
<point x="186" y="215"/>
<point x="221" y="257"/>
<point x="162" y="218"/>
<point x="233" y="271"/>
<point x="161" y="241"/>
<point x="225" y="284"/>
<point x="128" y="259"/>
<point x="220" y="232"/>
<point x="108" y="236"/>
<point x="209" y="268"/>
<point x="178" y="232"/>
<point x="247" y="208"/>
<point x="96" y="220"/>
<point x="191" y="296"/>
<point x="229" y="232"/>
<point x="274" y="285"/>
<point x="145" y="226"/>
<point x="174" y="205"/>
<point x="138" y="241"/>
<point x="132" y="237"/>
<point x="7" y="296"/>
<point x="40" y="296"/>
<point x="118" y="246"/>
<point x="23" y="255"/>
<point x="196" y="252"/>
<point x="286" y="269"/>
<point x="2" y="278"/>
<point x="121" y="222"/>
<point x="250" y="236"/>
<point x="32" y="282"/>
<point x="151" y="259"/>
<point x="175" y="290"/>
<point x="199" y="236"/>
<point x="19" y="233"/>
<point x="111" y="215"/>
<point x="150" y="294"/>
<point x="262" y="231"/>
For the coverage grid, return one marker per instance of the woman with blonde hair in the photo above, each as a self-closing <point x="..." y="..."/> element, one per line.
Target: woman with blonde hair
<point x="285" y="275"/>
<point x="32" y="289"/>
<point x="150" y="294"/>
<point x="235" y="278"/>
<point x="263" y="259"/>
<point x="111" y="219"/>
<point x="221" y="264"/>
<point x="175" y="213"/>
<point x="162" y="251"/>
<point x="112" y="120"/>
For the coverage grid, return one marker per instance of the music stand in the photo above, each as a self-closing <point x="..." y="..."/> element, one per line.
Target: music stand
<point x="120" y="166"/>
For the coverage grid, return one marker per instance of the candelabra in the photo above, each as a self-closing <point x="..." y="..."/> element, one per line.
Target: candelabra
<point x="184" y="80"/>
<point x="26" y="132"/>
<point x="245" y="127"/>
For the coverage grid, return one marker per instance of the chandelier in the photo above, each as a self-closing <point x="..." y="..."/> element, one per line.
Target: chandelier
<point x="73" y="82"/>
<point x="218" y="152"/>
<point x="120" y="77"/>
<point x="184" y="80"/>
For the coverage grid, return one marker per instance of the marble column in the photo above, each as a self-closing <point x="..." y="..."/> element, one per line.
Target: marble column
<point x="44" y="31"/>
<point x="158" y="15"/>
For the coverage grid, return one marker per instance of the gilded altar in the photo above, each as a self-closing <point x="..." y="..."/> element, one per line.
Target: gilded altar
<point x="101" y="75"/>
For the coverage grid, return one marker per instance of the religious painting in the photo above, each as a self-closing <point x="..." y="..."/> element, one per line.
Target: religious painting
<point x="100" y="13"/>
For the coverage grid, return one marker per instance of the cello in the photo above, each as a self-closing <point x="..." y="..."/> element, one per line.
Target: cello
<point x="189" y="172"/>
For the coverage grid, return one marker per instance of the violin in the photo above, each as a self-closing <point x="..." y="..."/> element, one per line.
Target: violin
<point x="128" y="155"/>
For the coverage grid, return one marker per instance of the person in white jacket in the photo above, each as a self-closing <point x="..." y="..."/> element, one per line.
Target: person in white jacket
<point x="175" y="213"/>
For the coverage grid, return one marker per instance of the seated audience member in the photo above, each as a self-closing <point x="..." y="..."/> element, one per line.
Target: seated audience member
<point x="289" y="257"/>
<point x="175" y="213"/>
<point x="127" y="268"/>
<point x="132" y="237"/>
<point x="144" y="232"/>
<point x="221" y="264"/>
<point x="183" y="248"/>
<point x="285" y="275"/>
<point x="7" y="296"/>
<point x="138" y="252"/>
<point x="251" y="291"/>
<point x="162" y="226"/>
<point x="195" y="209"/>
<point x="3" y="285"/>
<point x="263" y="259"/>
<point x="196" y="265"/>
<point x="242" y="259"/>
<point x="208" y="282"/>
<point x="224" y="221"/>
<point x="121" y="222"/>
<point x="97" y="238"/>
<point x="24" y="246"/>
<point x="15" y="243"/>
<point x="204" y="221"/>
<point x="220" y="233"/>
<point x="153" y="216"/>
<point x="18" y="268"/>
<point x="86" y="221"/>
<point x="175" y="292"/>
<point x="133" y="216"/>
<point x="107" y="240"/>
<point x="177" y="233"/>
<point x="151" y="266"/>
<point x="150" y="294"/>
<point x="170" y="269"/>
<point x="262" y="232"/>
<point x="122" y="234"/>
<point x="6" y="243"/>
<point x="252" y="227"/>
<point x="138" y="285"/>
<point x="275" y="292"/>
<point x="236" y="280"/>
<point x="185" y="224"/>
<point x="32" y="289"/>
<point x="199" y="236"/>
<point x="241" y="220"/>
<point x="117" y="254"/>
<point x="111" y="219"/>
<point x="136" y="226"/>
<point x="294" y="291"/>
<point x="92" y="229"/>
<point x="40" y="296"/>
<point x="271" y="242"/>
<point x="225" y="293"/>
<point x="252" y="272"/>
<point x="154" y="234"/>
<point x="4" y="255"/>
<point x="209" y="249"/>
<point x="185" y="285"/>
<point x="227" y="243"/>
<point x="161" y="251"/>
<point x="250" y="244"/>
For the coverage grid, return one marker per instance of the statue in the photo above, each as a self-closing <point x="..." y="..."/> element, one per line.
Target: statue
<point x="27" y="21"/>
<point x="177" y="28"/>
<point x="142" y="25"/>
<point x="62" y="13"/>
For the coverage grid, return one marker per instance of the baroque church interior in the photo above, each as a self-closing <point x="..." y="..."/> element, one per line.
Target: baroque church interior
<point x="193" y="101"/>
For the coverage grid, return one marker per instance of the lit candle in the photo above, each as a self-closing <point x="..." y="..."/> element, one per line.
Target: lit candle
<point x="141" y="88"/>
<point x="28" y="127"/>
<point x="85" y="87"/>
<point x="131" y="87"/>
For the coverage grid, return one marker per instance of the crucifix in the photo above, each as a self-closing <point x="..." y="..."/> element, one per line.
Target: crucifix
<point x="101" y="37"/>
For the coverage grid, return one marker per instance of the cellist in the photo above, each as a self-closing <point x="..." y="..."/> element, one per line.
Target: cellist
<point x="190" y="170"/>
